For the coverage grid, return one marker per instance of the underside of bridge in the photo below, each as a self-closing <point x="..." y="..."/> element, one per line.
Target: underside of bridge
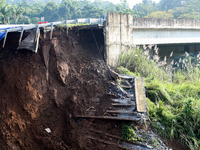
<point x="178" y="49"/>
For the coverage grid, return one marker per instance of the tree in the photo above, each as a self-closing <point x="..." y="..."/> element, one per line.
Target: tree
<point x="35" y="10"/>
<point x="90" y="11"/>
<point x="24" y="20"/>
<point x="144" y="9"/>
<point x="160" y="14"/>
<point x="5" y="12"/>
<point x="2" y="3"/>
<point x="35" y="20"/>
<point x="165" y="5"/>
<point x="17" y="12"/>
<point x="24" y="4"/>
<point x="191" y="15"/>
<point x="76" y="10"/>
<point x="189" y="10"/>
<point x="65" y="9"/>
<point x="176" y="12"/>
<point x="51" y="11"/>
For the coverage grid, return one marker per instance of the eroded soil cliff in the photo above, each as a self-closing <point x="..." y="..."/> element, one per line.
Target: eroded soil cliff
<point x="49" y="88"/>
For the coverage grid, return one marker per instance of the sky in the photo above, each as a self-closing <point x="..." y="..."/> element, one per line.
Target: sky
<point x="130" y="2"/>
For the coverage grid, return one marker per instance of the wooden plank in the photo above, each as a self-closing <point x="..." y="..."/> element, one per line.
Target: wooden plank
<point x="123" y="105"/>
<point x="141" y="104"/>
<point x="122" y="112"/>
<point x="124" y="101"/>
<point x="117" y="137"/>
<point x="106" y="142"/>
<point x="134" y="118"/>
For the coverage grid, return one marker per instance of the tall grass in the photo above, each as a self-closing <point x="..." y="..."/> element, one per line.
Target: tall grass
<point x="139" y="62"/>
<point x="173" y="92"/>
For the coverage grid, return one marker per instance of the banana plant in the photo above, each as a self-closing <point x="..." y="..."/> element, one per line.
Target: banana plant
<point x="5" y="14"/>
<point x="17" y="12"/>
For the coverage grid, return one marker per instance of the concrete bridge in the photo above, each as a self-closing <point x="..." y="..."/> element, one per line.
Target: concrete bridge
<point x="123" y="31"/>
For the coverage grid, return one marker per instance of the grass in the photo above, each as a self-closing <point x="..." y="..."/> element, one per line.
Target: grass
<point x="173" y="93"/>
<point x="71" y="25"/>
<point x="128" y="133"/>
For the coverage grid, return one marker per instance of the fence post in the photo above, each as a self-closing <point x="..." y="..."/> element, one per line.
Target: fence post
<point x="20" y="39"/>
<point x="37" y="40"/>
<point x="37" y="30"/>
<point x="45" y="32"/>
<point x="51" y="30"/>
<point x="4" y="41"/>
<point x="66" y="27"/>
<point x="101" y="20"/>
<point x="89" y="21"/>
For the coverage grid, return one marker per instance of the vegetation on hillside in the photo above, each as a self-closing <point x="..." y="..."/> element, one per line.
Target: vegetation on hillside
<point x="31" y="11"/>
<point x="173" y="92"/>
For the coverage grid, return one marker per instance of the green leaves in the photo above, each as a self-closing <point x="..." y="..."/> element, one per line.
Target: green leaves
<point x="51" y="11"/>
<point x="30" y="11"/>
<point x="128" y="133"/>
<point x="17" y="12"/>
<point x="6" y="13"/>
<point x="160" y="14"/>
<point x="174" y="105"/>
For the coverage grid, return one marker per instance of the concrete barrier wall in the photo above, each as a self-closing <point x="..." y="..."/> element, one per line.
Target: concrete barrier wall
<point x="123" y="31"/>
<point x="165" y="23"/>
<point x="118" y="35"/>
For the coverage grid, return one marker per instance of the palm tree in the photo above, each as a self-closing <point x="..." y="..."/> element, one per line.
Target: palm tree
<point x="5" y="14"/>
<point x="17" y="12"/>
<point x="2" y="3"/>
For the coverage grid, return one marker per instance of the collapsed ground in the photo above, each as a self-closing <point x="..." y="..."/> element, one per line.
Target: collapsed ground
<point x="40" y="91"/>
<point x="49" y="88"/>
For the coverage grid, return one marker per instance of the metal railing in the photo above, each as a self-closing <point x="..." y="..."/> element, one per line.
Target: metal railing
<point x="22" y="28"/>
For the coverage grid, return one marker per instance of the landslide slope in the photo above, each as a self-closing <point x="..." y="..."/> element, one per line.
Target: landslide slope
<point x="48" y="89"/>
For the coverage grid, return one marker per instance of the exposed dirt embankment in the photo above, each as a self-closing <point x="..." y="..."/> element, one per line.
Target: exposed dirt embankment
<point x="47" y="89"/>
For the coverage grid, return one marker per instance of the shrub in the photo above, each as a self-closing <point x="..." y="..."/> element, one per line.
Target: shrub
<point x="173" y="93"/>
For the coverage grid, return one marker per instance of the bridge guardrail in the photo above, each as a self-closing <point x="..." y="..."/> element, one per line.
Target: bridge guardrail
<point x="51" y="24"/>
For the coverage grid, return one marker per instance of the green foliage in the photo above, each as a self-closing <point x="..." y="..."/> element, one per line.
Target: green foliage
<point x="145" y="8"/>
<point x="175" y="103"/>
<point x="5" y="13"/>
<point x="154" y="142"/>
<point x="139" y="63"/>
<point x="157" y="92"/>
<point x="126" y="71"/>
<point x="51" y="11"/>
<point x="92" y="11"/>
<point x="169" y="4"/>
<point x="17" y="12"/>
<point x="30" y="11"/>
<point x="160" y="14"/>
<point x="128" y="133"/>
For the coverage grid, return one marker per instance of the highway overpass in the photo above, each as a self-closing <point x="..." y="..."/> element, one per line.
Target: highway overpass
<point x="123" y="31"/>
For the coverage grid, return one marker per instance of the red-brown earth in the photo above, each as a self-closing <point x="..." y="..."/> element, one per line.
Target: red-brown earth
<point x="48" y="89"/>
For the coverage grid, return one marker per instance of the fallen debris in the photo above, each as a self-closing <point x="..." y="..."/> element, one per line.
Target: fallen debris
<point x="128" y="104"/>
<point x="48" y="130"/>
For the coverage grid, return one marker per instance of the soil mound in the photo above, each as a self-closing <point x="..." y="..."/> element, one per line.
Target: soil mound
<point x="47" y="89"/>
